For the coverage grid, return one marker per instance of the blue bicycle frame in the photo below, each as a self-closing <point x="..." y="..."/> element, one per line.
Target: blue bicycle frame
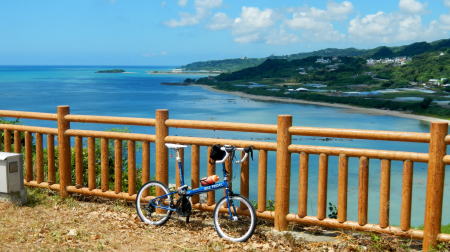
<point x="200" y="190"/>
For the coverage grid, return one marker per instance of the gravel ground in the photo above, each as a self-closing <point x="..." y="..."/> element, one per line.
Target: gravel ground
<point x="49" y="223"/>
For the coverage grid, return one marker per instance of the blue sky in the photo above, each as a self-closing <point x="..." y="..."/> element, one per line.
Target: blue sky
<point x="174" y="32"/>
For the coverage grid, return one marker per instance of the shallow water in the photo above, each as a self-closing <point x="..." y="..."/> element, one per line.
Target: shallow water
<point x="42" y="88"/>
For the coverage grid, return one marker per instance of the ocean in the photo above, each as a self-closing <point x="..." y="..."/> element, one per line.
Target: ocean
<point x="138" y="94"/>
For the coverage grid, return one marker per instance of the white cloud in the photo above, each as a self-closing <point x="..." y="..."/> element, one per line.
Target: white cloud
<point x="445" y="21"/>
<point x="253" y="25"/>
<point x="208" y="4"/>
<point x="294" y="24"/>
<point x="220" y="21"/>
<point x="317" y="24"/>
<point x="248" y="38"/>
<point x="202" y="10"/>
<point x="392" y="27"/>
<point x="185" y="19"/>
<point x="182" y="2"/>
<point x="339" y="11"/>
<point x="252" y="19"/>
<point x="411" y="6"/>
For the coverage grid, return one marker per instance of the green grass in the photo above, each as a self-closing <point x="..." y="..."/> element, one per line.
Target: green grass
<point x="445" y="229"/>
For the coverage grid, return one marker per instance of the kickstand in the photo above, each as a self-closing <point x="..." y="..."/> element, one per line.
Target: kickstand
<point x="187" y="219"/>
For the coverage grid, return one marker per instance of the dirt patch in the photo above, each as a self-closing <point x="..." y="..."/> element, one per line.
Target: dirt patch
<point x="86" y="224"/>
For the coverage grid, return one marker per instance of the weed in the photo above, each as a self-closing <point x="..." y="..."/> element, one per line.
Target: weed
<point x="333" y="211"/>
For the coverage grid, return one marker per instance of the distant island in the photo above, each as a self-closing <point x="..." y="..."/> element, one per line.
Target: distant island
<point x="184" y="71"/>
<point x="414" y="78"/>
<point x="111" y="71"/>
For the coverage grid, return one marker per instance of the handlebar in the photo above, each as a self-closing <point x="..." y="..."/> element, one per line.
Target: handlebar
<point x="229" y="149"/>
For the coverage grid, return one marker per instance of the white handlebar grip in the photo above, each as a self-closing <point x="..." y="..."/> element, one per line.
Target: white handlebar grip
<point x="243" y="158"/>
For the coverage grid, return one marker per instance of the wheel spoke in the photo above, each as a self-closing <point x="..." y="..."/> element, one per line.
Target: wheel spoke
<point x="238" y="226"/>
<point x="151" y="206"/>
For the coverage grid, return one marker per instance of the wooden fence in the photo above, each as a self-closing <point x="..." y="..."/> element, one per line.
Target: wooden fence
<point x="284" y="130"/>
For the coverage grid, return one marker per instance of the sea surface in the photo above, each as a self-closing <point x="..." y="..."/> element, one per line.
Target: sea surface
<point x="138" y="94"/>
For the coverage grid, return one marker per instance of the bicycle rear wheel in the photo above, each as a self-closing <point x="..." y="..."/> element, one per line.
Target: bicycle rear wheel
<point x="150" y="208"/>
<point x="234" y="218"/>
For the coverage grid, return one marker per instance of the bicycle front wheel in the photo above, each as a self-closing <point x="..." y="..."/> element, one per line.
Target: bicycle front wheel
<point x="153" y="203"/>
<point x="234" y="218"/>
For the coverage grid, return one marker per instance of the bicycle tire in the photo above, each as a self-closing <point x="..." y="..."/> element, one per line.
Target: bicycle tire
<point x="148" y="213"/>
<point x="241" y="226"/>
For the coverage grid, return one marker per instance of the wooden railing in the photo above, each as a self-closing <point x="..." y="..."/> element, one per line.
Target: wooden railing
<point x="70" y="179"/>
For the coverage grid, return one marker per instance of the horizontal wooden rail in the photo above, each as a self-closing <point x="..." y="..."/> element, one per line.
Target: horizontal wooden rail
<point x="447" y="159"/>
<point x="28" y="115"/>
<point x="111" y="120"/>
<point x="309" y="220"/>
<point x="42" y="130"/>
<point x="361" y="134"/>
<point x="334" y="223"/>
<point x="228" y="126"/>
<point x="111" y="135"/>
<point x="354" y="152"/>
<point x="212" y="141"/>
<point x="447" y="139"/>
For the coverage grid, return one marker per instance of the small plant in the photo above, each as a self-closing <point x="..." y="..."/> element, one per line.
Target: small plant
<point x="270" y="205"/>
<point x="333" y="211"/>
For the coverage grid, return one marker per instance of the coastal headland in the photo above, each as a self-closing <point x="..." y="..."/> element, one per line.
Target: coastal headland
<point x="336" y="105"/>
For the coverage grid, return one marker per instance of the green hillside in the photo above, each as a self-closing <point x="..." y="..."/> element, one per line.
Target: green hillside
<point x="416" y="84"/>
<point x="227" y="65"/>
<point x="231" y="65"/>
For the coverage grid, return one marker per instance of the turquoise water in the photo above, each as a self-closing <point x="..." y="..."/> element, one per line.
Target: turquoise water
<point x="138" y="94"/>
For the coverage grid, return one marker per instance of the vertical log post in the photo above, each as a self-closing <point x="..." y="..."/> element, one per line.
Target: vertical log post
<point x="104" y="164"/>
<point x="244" y="186"/>
<point x="195" y="170"/>
<point x="407" y="180"/>
<point x="145" y="164"/>
<point x="262" y="180"/>
<point x="385" y="190"/>
<point x="51" y="159"/>
<point x="117" y="166"/>
<point x="363" y="190"/>
<point x="78" y="162"/>
<point x="435" y="185"/>
<point x="211" y="196"/>
<point x="28" y="157"/>
<point x="17" y="142"/>
<point x="162" y="172"/>
<point x="91" y="163"/>
<point x="39" y="164"/>
<point x="63" y="149"/>
<point x="322" y="187"/>
<point x="303" y="186"/>
<point x="7" y="140"/>
<point x="177" y="172"/>
<point x="131" y="167"/>
<point x="342" y="188"/>
<point x="283" y="168"/>
<point x="229" y="168"/>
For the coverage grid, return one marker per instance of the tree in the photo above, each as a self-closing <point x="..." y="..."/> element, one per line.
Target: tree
<point x="426" y="102"/>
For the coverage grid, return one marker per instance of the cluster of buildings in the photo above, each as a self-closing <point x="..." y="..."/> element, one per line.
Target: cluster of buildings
<point x="438" y="82"/>
<point x="394" y="61"/>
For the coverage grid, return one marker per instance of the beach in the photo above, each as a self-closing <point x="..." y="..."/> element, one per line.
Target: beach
<point x="356" y="109"/>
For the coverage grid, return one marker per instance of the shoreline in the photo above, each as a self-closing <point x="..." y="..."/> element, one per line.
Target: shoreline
<point x="364" y="110"/>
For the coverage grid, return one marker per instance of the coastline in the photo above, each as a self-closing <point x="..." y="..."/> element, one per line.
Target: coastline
<point x="372" y="111"/>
